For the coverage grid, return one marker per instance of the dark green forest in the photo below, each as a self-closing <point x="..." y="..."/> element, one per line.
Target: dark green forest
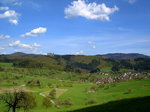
<point x="77" y="64"/>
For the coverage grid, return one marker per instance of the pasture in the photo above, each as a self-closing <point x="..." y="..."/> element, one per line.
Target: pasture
<point x="80" y="95"/>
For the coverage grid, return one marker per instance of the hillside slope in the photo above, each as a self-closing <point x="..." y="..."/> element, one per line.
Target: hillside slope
<point x="123" y="56"/>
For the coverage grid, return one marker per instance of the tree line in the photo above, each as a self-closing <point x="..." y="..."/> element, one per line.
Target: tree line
<point x="77" y="64"/>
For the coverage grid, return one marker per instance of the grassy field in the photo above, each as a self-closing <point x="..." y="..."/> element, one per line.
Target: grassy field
<point x="126" y="105"/>
<point x="81" y="94"/>
<point x="7" y="65"/>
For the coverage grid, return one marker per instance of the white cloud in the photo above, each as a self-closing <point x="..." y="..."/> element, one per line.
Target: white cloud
<point x="4" y="36"/>
<point x="17" y="3"/>
<point x="13" y="21"/>
<point x="79" y="53"/>
<point x="16" y="50"/>
<point x="1" y="48"/>
<point x="18" y="44"/>
<point x="4" y="8"/>
<point x="89" y="11"/>
<point x="11" y="15"/>
<point x="3" y="53"/>
<point x="35" y="32"/>
<point x="12" y="2"/>
<point x="42" y="53"/>
<point x="8" y="14"/>
<point x="8" y="1"/>
<point x="35" y="45"/>
<point x="93" y="44"/>
<point x="131" y="1"/>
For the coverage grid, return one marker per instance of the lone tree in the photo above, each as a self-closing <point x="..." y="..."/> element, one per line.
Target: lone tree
<point x="18" y="99"/>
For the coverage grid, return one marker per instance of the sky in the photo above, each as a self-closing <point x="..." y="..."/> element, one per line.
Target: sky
<point x="80" y="27"/>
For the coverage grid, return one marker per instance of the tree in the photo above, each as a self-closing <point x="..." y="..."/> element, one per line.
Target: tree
<point x="1" y="68"/>
<point x="52" y="94"/>
<point x="94" y="64"/>
<point x="126" y="64"/>
<point x="142" y="64"/>
<point x="95" y="70"/>
<point x="34" y="82"/>
<point x="115" y="68"/>
<point x="18" y="99"/>
<point x="47" y="102"/>
<point x="28" y="101"/>
<point x="28" y="63"/>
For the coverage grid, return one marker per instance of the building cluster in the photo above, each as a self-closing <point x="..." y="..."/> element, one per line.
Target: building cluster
<point x="121" y="77"/>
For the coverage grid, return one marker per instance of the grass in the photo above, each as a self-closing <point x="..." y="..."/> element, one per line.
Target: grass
<point x="79" y="97"/>
<point x="59" y="92"/>
<point x="110" y="98"/>
<point x="106" y="69"/>
<point x="6" y="65"/>
<point x="126" y="105"/>
<point x="127" y="70"/>
<point x="11" y="90"/>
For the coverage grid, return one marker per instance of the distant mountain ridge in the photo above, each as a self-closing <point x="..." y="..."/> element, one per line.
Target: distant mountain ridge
<point x="107" y="56"/>
<point x="18" y="54"/>
<point x="22" y="54"/>
<point x="123" y="56"/>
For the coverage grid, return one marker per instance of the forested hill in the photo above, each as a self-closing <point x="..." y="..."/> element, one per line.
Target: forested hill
<point x="130" y="56"/>
<point x="76" y="63"/>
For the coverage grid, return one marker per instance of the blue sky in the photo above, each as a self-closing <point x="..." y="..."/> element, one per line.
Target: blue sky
<point x="75" y="26"/>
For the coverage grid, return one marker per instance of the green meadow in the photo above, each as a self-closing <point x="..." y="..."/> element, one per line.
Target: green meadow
<point x="74" y="91"/>
<point x="78" y="93"/>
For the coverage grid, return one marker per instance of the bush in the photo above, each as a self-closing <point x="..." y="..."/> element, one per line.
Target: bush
<point x="128" y="91"/>
<point x="68" y="84"/>
<point x="66" y="102"/>
<point x="1" y="69"/>
<point x="113" y="85"/>
<point x="47" y="102"/>
<point x="90" y="102"/>
<point x="34" y="83"/>
<point x="52" y="94"/>
<point x="94" y="88"/>
<point x="107" y="87"/>
<point x="101" y="86"/>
